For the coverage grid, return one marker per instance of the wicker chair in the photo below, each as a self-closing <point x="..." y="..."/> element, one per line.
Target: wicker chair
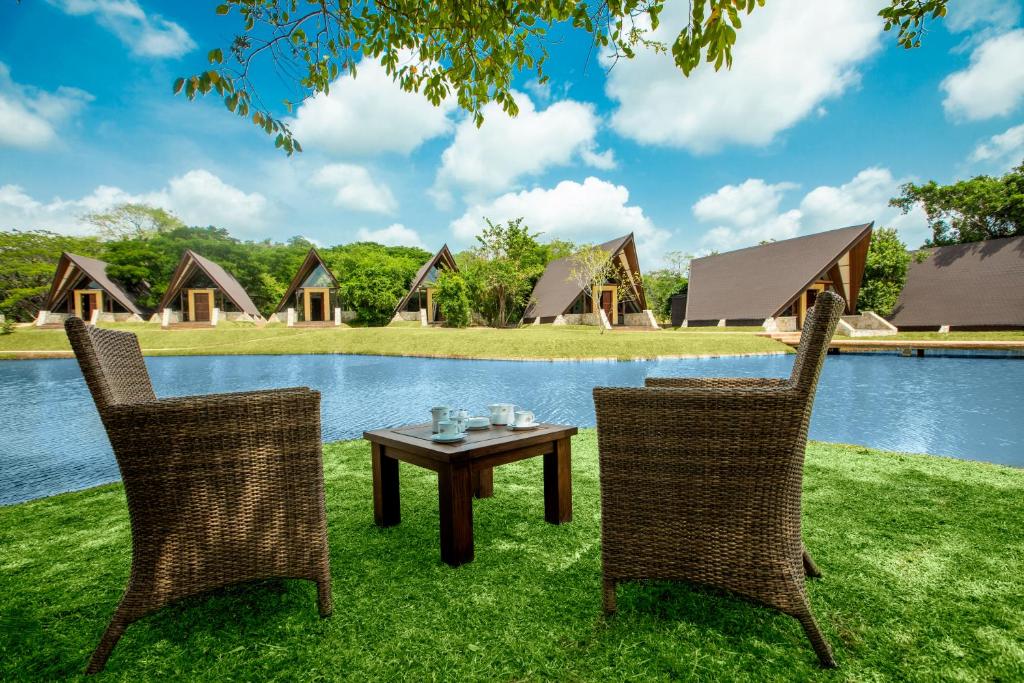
<point x="221" y="489"/>
<point x="701" y="480"/>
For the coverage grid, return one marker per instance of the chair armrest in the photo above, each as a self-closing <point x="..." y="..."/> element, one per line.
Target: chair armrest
<point x="717" y="382"/>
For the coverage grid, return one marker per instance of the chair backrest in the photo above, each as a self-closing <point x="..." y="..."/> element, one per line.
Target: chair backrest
<point x="819" y="326"/>
<point x="112" y="364"/>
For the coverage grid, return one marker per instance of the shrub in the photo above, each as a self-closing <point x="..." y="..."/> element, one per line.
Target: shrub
<point x="452" y="297"/>
<point x="6" y="326"/>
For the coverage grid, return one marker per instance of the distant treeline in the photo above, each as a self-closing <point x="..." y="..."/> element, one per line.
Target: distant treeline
<point x="498" y="273"/>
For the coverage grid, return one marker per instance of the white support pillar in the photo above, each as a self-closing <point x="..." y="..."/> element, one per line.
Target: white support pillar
<point x="214" y="316"/>
<point x="944" y="329"/>
<point x="650" y="319"/>
<point x="337" y="316"/>
<point x="423" y="318"/>
<point x="721" y="323"/>
<point x="291" y="317"/>
<point x="95" y="317"/>
<point x="41" y="318"/>
<point x="165" y="321"/>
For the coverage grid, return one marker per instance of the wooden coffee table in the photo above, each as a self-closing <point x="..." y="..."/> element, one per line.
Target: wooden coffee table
<point x="464" y="470"/>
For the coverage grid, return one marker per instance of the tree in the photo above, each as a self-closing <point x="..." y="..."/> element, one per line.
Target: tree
<point x="27" y="264"/>
<point x="661" y="284"/>
<point x="451" y="295"/>
<point x="981" y="208"/>
<point x="593" y="268"/>
<point x="885" y="273"/>
<point x="373" y="278"/>
<point x="128" y="221"/>
<point x="502" y="270"/>
<point x="471" y="51"/>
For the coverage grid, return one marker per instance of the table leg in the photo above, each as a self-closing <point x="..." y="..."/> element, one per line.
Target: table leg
<point x="455" y="495"/>
<point x="483" y="483"/>
<point x="558" y="483"/>
<point x="386" y="508"/>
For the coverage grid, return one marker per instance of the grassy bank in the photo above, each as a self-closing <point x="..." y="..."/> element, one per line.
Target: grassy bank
<point x="527" y="342"/>
<point x="923" y="560"/>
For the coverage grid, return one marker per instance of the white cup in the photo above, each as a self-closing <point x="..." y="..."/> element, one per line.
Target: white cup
<point x="524" y="418"/>
<point x="438" y="413"/>
<point x="448" y="427"/>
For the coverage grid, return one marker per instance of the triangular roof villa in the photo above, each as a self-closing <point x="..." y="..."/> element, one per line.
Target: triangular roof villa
<point x="978" y="285"/>
<point x="81" y="287"/>
<point x="418" y="302"/>
<point x="312" y="294"/>
<point x="777" y="280"/>
<point x="201" y="291"/>
<point x="558" y="299"/>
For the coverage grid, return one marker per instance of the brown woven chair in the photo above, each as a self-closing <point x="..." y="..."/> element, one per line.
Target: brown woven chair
<point x="701" y="480"/>
<point x="221" y="489"/>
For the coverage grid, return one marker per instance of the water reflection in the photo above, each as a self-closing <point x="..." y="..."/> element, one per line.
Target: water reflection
<point x="53" y="441"/>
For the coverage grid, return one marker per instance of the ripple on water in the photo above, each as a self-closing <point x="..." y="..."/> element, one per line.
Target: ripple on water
<point x="964" y="407"/>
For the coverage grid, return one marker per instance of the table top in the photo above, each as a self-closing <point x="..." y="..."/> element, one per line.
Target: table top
<point x="495" y="439"/>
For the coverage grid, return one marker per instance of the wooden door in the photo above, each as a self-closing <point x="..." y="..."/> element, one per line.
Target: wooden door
<point x="316" y="307"/>
<point x="606" y="303"/>
<point x="88" y="305"/>
<point x="201" y="307"/>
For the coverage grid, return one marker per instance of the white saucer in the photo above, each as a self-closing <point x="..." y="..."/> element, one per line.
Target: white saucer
<point x="523" y="428"/>
<point x="448" y="438"/>
<point x="484" y="424"/>
<point x="478" y="429"/>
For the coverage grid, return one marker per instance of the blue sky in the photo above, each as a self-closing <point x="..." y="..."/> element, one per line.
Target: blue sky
<point x="819" y="122"/>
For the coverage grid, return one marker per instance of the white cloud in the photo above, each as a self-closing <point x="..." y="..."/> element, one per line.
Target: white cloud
<point x="592" y="211"/>
<point x="1006" y="149"/>
<point x="147" y="35"/>
<point x="354" y="188"/>
<point x="201" y="198"/>
<point x="369" y="113"/>
<point x="992" y="84"/>
<point x="395" y="235"/>
<point x="746" y="214"/>
<point x="968" y="16"/>
<point x="493" y="157"/>
<point x="787" y="61"/>
<point x="749" y="203"/>
<point x="197" y="197"/>
<point x="29" y="117"/>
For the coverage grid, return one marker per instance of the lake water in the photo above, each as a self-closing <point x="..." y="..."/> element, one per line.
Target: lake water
<point x="968" y="408"/>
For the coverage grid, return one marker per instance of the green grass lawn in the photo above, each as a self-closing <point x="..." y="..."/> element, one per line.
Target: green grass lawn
<point x="923" y="560"/>
<point x="477" y="342"/>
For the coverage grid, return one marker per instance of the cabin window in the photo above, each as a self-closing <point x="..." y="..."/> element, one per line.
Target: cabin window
<point x="318" y="278"/>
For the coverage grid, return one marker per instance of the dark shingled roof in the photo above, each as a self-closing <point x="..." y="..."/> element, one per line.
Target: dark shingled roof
<point x="760" y="282"/>
<point x="96" y="270"/>
<point x="309" y="264"/>
<point x="442" y="257"/>
<point x="966" y="285"/>
<point x="555" y="291"/>
<point x="220" y="278"/>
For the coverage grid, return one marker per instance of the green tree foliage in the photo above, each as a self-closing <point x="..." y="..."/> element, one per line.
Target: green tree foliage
<point x="981" y="208"/>
<point x="27" y="264"/>
<point x="452" y="297"/>
<point x="661" y="284"/>
<point x="471" y="51"/>
<point x="373" y="278"/>
<point x="501" y="271"/>
<point x="885" y="272"/>
<point x="132" y="221"/>
<point x="145" y="260"/>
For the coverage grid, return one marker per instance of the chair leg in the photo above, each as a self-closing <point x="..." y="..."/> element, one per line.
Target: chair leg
<point x="323" y="595"/>
<point x="810" y="569"/>
<point x="115" y="629"/>
<point x="818" y="642"/>
<point x="609" y="596"/>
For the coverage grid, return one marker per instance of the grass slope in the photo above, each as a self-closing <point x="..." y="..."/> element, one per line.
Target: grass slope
<point x="923" y="560"/>
<point x="477" y="342"/>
